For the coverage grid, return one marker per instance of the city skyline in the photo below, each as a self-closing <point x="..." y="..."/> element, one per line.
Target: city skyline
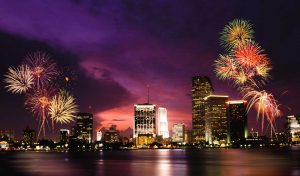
<point x="116" y="60"/>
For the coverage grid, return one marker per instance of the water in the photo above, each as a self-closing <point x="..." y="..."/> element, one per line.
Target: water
<point x="211" y="162"/>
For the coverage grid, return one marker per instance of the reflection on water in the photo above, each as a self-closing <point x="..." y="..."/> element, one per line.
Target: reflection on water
<point x="154" y="162"/>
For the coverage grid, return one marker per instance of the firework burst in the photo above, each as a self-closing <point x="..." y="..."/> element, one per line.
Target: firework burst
<point x="19" y="80"/>
<point x="225" y="67"/>
<point x="62" y="107"/>
<point x="236" y="33"/>
<point x="249" y="55"/>
<point x="43" y="69"/>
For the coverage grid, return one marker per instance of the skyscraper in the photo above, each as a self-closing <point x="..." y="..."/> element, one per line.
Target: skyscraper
<point x="237" y="120"/>
<point x="84" y="128"/>
<point x="293" y="125"/>
<point x="178" y="131"/>
<point x="64" y="135"/>
<point x="216" y="121"/>
<point x="163" y="122"/>
<point x="144" y="119"/>
<point x="29" y="136"/>
<point x="201" y="87"/>
<point x="99" y="135"/>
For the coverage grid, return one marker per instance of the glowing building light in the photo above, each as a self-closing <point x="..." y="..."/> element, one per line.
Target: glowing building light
<point x="163" y="122"/>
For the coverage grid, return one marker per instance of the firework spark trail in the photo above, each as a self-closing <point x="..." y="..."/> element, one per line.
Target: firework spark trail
<point x="19" y="80"/>
<point x="38" y="102"/>
<point x="63" y="108"/>
<point x="265" y="104"/>
<point x="44" y="70"/>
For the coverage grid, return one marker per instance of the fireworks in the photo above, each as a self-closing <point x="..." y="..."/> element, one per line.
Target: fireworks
<point x="36" y="78"/>
<point x="225" y="67"/>
<point x="248" y="68"/>
<point x="19" y="80"/>
<point x="236" y="33"/>
<point x="43" y="69"/>
<point x="62" y="107"/>
<point x="265" y="104"/>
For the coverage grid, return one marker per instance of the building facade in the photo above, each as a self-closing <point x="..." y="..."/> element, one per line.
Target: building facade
<point x="163" y="128"/>
<point x="237" y="120"/>
<point x="293" y="127"/>
<point x="216" y="121"/>
<point x="84" y="128"/>
<point x="64" y="135"/>
<point x="112" y="135"/>
<point x="29" y="136"/>
<point x="178" y="132"/>
<point x="201" y="88"/>
<point x="144" y="119"/>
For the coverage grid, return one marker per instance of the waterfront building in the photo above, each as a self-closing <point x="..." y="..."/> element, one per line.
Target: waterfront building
<point x="216" y="121"/>
<point x="201" y="88"/>
<point x="163" y="128"/>
<point x="99" y="135"/>
<point x="293" y="127"/>
<point x="112" y="135"/>
<point x="144" y="120"/>
<point x="237" y="120"/>
<point x="84" y="127"/>
<point x="178" y="132"/>
<point x="64" y="135"/>
<point x="7" y="135"/>
<point x="29" y="136"/>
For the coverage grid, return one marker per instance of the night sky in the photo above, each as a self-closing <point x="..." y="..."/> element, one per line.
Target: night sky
<point x="119" y="47"/>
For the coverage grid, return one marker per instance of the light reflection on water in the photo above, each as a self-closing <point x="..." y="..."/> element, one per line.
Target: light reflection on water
<point x="154" y="162"/>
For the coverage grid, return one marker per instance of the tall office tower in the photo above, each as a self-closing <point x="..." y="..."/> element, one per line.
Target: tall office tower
<point x="144" y="119"/>
<point x="99" y="135"/>
<point x="29" y="136"/>
<point x="178" y="132"/>
<point x="293" y="126"/>
<point x="84" y="128"/>
<point x="163" y="122"/>
<point x="64" y="135"/>
<point x="216" y="121"/>
<point x="237" y="120"/>
<point x="112" y="135"/>
<point x="201" y="87"/>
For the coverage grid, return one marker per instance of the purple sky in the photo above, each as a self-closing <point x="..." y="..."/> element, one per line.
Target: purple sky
<point x="120" y="47"/>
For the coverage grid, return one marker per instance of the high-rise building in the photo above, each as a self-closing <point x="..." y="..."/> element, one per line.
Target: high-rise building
<point x="64" y="135"/>
<point x="293" y="126"/>
<point x="178" y="132"/>
<point x="99" y="136"/>
<point x="237" y="120"/>
<point x="201" y="88"/>
<point x="163" y="122"/>
<point x="84" y="128"/>
<point x="7" y="135"/>
<point x="112" y="135"/>
<point x="216" y="121"/>
<point x="144" y="119"/>
<point x="29" y="136"/>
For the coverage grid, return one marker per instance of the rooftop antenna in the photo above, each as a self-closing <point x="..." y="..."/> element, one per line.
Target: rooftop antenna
<point x="148" y="93"/>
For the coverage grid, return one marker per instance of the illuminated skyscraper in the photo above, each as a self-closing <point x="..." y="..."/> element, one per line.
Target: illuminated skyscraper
<point x="99" y="136"/>
<point x="163" y="122"/>
<point x="84" y="128"/>
<point x="293" y="125"/>
<point x="64" y="135"/>
<point x="144" y="119"/>
<point x="29" y="136"/>
<point x="201" y="87"/>
<point x="216" y="121"/>
<point x="178" y="132"/>
<point x="237" y="120"/>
